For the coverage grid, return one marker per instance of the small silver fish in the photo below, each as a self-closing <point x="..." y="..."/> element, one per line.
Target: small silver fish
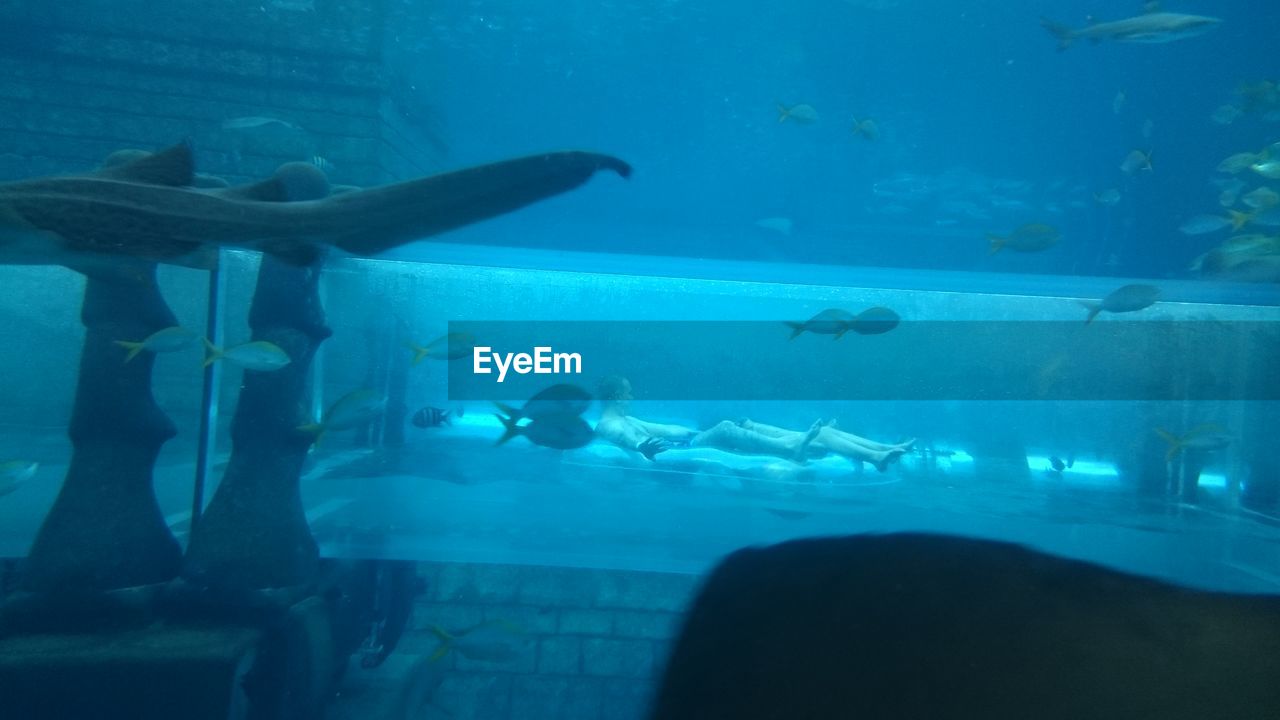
<point x="1032" y="237"/>
<point x="1108" y="197"/>
<point x="169" y="339"/>
<point x="1204" y="438"/>
<point x="1136" y="160"/>
<point x="495" y="641"/>
<point x="452" y="346"/>
<point x="867" y="128"/>
<point x="1201" y="224"/>
<point x="777" y="224"/>
<point x="801" y="113"/>
<point x="1261" y="198"/>
<point x="1267" y="168"/>
<point x="259" y="355"/>
<point x="1225" y="114"/>
<point x="351" y="410"/>
<point x="254" y="122"/>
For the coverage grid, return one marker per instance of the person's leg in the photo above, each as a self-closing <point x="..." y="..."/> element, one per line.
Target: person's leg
<point x="733" y="438"/>
<point x="835" y="443"/>
<point x="831" y="429"/>
<point x="839" y="442"/>
<point x="767" y="430"/>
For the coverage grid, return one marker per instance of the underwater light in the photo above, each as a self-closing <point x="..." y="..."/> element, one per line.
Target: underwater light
<point x="1081" y="471"/>
<point x="1213" y="480"/>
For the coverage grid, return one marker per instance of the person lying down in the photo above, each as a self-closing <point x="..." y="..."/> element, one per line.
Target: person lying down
<point x="743" y="436"/>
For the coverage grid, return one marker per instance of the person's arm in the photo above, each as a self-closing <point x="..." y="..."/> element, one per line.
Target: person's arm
<point x="631" y="436"/>
<point x="666" y="432"/>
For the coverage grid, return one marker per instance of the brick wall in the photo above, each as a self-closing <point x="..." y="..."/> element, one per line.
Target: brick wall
<point x="591" y="643"/>
<point x="75" y="86"/>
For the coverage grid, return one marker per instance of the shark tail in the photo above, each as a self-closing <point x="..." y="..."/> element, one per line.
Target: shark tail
<point x="512" y="429"/>
<point x="133" y="347"/>
<point x="1094" y="307"/>
<point x="370" y="221"/>
<point x="796" y="329"/>
<point x="1064" y="34"/>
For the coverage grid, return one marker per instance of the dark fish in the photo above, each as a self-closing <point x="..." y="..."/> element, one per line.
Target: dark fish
<point x="874" y="321"/>
<point x="949" y="628"/>
<point x="562" y="399"/>
<point x="832" y="321"/>
<point x="1129" y="298"/>
<point x="560" y="432"/>
<point x="429" y="417"/>
<point x="1032" y="237"/>
<point x="1058" y="465"/>
<point x="145" y="209"/>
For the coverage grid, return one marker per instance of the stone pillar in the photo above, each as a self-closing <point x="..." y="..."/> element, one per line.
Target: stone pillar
<point x="254" y="534"/>
<point x="105" y="530"/>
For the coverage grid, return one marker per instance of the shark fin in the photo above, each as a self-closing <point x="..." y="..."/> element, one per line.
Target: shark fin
<point x="1063" y="33"/>
<point x="173" y="166"/>
<point x="408" y="211"/>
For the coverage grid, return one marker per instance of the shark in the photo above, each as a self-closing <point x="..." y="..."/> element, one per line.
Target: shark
<point x="1153" y="26"/>
<point x="145" y="209"/>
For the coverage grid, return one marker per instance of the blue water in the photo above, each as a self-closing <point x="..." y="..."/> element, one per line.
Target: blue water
<point x="984" y="125"/>
<point x="966" y="93"/>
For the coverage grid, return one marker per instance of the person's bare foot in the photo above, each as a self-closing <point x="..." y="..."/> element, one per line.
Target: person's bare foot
<point x="888" y="457"/>
<point x="802" y="448"/>
<point x="906" y="446"/>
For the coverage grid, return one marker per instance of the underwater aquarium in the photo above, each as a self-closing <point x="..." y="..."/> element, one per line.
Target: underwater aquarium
<point x="639" y="360"/>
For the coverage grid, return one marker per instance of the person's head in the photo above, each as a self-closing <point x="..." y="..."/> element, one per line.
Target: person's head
<point x="614" y="391"/>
